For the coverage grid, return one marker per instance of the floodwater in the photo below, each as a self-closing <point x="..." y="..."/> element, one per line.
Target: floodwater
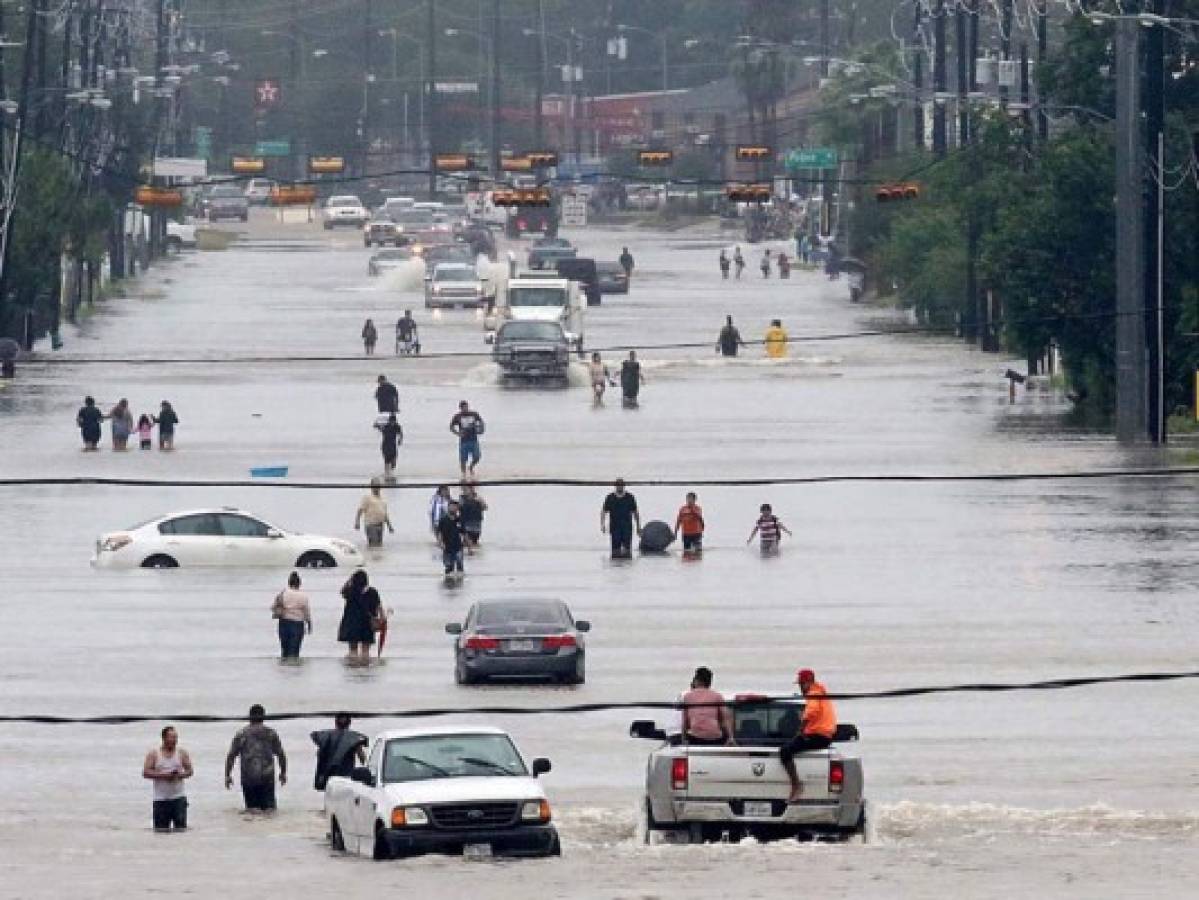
<point x="1086" y="792"/>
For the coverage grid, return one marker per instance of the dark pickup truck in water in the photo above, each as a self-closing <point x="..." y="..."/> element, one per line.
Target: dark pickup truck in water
<point x="532" y="352"/>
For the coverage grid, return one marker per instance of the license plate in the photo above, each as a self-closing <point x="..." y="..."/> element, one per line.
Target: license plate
<point x="476" y="851"/>
<point x="759" y="809"/>
<point x="523" y="646"/>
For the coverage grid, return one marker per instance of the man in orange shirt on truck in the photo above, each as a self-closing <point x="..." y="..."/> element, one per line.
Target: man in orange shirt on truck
<point x="816" y="729"/>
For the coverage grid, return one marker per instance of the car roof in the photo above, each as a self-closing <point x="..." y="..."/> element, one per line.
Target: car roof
<point x="437" y="731"/>
<point x="343" y="200"/>
<point x="205" y="511"/>
<point x="453" y="267"/>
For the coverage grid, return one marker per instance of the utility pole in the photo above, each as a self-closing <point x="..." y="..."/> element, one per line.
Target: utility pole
<point x="918" y="82"/>
<point x="1132" y="393"/>
<point x="1042" y="50"/>
<point x="538" y="116"/>
<point x="368" y="34"/>
<point x="963" y="80"/>
<point x="1155" y="113"/>
<point x="496" y="135"/>
<point x="825" y="50"/>
<point x="431" y="90"/>
<point x="574" y="99"/>
<point x="939" y="80"/>
<point x="1005" y="46"/>
<point x="293" y="96"/>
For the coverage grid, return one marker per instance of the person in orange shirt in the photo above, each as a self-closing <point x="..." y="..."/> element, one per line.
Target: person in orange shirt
<point x="816" y="729"/>
<point x="690" y="521"/>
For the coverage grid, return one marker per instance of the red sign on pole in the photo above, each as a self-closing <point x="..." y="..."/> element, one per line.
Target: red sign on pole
<point x="267" y="93"/>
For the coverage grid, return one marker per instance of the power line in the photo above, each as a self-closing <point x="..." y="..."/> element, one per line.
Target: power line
<point x="1055" y="684"/>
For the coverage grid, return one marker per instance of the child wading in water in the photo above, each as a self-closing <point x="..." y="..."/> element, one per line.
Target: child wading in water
<point x="769" y="529"/>
<point x="145" y="432"/>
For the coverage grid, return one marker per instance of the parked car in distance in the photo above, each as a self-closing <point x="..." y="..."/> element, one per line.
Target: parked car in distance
<point x="393" y="205"/>
<point x="223" y="536"/>
<point x="181" y="235"/>
<point x="227" y="201"/>
<point x="520" y="637"/>
<point x="464" y="790"/>
<point x="704" y="792"/>
<point x="258" y="191"/>
<point x="380" y="231"/>
<point x="546" y="255"/>
<point x="612" y="279"/>
<point x="388" y="260"/>
<point x="453" y="284"/>
<point x="583" y="271"/>
<point x="344" y="209"/>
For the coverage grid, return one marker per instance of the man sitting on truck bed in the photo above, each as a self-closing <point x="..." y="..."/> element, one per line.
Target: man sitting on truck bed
<point x="706" y="720"/>
<point x="816" y="729"/>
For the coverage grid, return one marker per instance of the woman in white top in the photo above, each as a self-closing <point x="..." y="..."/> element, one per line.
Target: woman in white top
<point x="294" y="615"/>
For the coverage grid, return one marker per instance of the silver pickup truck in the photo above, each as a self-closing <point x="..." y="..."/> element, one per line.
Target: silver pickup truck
<point x="701" y="793"/>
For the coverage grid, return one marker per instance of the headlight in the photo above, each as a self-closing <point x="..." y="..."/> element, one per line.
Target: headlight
<point x="115" y="543"/>
<point x="344" y="547"/>
<point x="535" y="811"/>
<point x="408" y="817"/>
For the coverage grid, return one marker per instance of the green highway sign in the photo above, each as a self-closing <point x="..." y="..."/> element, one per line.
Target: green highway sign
<point x="273" y="148"/>
<point x="812" y="158"/>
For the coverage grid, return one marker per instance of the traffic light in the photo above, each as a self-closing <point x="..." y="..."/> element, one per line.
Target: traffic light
<point x="748" y="193"/>
<point x="753" y="153"/>
<point x="454" y="162"/>
<point x="903" y="190"/>
<point x="293" y="195"/>
<point x="542" y="159"/>
<point x="156" y="196"/>
<point x="247" y="165"/>
<point x="516" y="164"/>
<point x="655" y="157"/>
<point x="523" y="197"/>
<point x="326" y="165"/>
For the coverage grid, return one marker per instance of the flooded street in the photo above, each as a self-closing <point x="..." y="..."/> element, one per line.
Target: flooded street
<point x="1086" y="792"/>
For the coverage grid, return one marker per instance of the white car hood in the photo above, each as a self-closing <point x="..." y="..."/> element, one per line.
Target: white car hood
<point x="475" y="789"/>
<point x="536" y="313"/>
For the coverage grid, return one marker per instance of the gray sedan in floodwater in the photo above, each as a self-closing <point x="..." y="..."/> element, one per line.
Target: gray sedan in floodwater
<point x="519" y="638"/>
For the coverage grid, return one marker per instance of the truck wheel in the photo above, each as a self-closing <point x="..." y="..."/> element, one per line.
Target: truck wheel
<point x="462" y="675"/>
<point x="862" y="832"/>
<point x="336" y="842"/>
<point x="695" y="833"/>
<point x="380" y="849"/>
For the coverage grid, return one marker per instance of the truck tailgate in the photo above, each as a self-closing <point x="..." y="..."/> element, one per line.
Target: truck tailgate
<point x="753" y="773"/>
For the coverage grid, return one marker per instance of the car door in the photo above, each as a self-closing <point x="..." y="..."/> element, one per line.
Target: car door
<point x="361" y="806"/>
<point x="248" y="542"/>
<point x="194" y="540"/>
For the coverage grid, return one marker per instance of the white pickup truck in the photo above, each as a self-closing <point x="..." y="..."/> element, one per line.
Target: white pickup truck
<point x="462" y="790"/>
<point x="703" y="793"/>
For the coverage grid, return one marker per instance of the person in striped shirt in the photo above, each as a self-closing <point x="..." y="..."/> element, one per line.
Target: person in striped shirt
<point x="769" y="529"/>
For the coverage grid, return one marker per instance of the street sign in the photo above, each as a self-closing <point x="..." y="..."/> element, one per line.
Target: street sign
<point x="574" y="210"/>
<point x="456" y="87"/>
<point x="812" y="158"/>
<point x="179" y="167"/>
<point x="277" y="147"/>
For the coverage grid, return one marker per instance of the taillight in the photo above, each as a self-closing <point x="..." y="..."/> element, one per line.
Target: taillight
<point x="481" y="643"/>
<point x="520" y="223"/>
<point x="678" y="773"/>
<point x="836" y="776"/>
<point x="558" y="641"/>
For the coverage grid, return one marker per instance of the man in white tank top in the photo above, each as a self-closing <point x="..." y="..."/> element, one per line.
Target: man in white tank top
<point x="167" y="766"/>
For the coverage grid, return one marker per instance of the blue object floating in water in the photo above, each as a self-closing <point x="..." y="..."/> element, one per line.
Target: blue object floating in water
<point x="269" y="472"/>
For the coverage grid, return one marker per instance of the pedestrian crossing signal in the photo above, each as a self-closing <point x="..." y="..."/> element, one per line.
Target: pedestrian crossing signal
<point x="522" y="197"/>
<point x="904" y="190"/>
<point x="753" y="153"/>
<point x="655" y="157"/>
<point x="748" y="193"/>
<point x="454" y="162"/>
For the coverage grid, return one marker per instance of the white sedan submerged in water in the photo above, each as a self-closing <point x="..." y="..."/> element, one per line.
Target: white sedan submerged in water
<point x="218" y="537"/>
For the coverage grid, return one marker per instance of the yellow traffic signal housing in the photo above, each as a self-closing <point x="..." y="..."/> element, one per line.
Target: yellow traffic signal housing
<point x="156" y="196"/>
<point x="293" y="195"/>
<point x="753" y="153"/>
<point x="748" y="193"/>
<point x="542" y="159"/>
<point x="904" y="190"/>
<point x="525" y="197"/>
<point x="326" y="165"/>
<point x="516" y="164"/>
<point x="454" y="162"/>
<point x="247" y="165"/>
<point x="655" y="157"/>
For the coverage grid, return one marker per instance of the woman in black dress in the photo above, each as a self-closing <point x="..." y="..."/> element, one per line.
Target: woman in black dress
<point x="357" y="626"/>
<point x="88" y="419"/>
<point x="392" y="436"/>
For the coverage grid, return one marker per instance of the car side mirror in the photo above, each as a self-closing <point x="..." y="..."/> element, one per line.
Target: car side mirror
<point x="428" y="278"/>
<point x="541" y="765"/>
<point x="453" y="628"/>
<point x="274" y="533"/>
<point x="582" y="625"/>
<point x="362" y="775"/>
<point x="645" y="728"/>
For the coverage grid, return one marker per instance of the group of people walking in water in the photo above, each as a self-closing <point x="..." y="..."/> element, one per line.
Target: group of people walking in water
<point x="90" y="418"/>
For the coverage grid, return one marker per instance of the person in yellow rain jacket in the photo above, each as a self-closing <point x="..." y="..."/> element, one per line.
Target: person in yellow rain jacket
<point x="776" y="340"/>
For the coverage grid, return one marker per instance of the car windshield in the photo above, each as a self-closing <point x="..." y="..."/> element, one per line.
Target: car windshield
<point x="413" y="216"/>
<point x="344" y="201"/>
<point x="226" y="190"/>
<point x="393" y="254"/>
<point x="522" y="617"/>
<point x="531" y="296"/>
<point x="531" y="331"/>
<point x="454" y="275"/>
<point x="450" y="756"/>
